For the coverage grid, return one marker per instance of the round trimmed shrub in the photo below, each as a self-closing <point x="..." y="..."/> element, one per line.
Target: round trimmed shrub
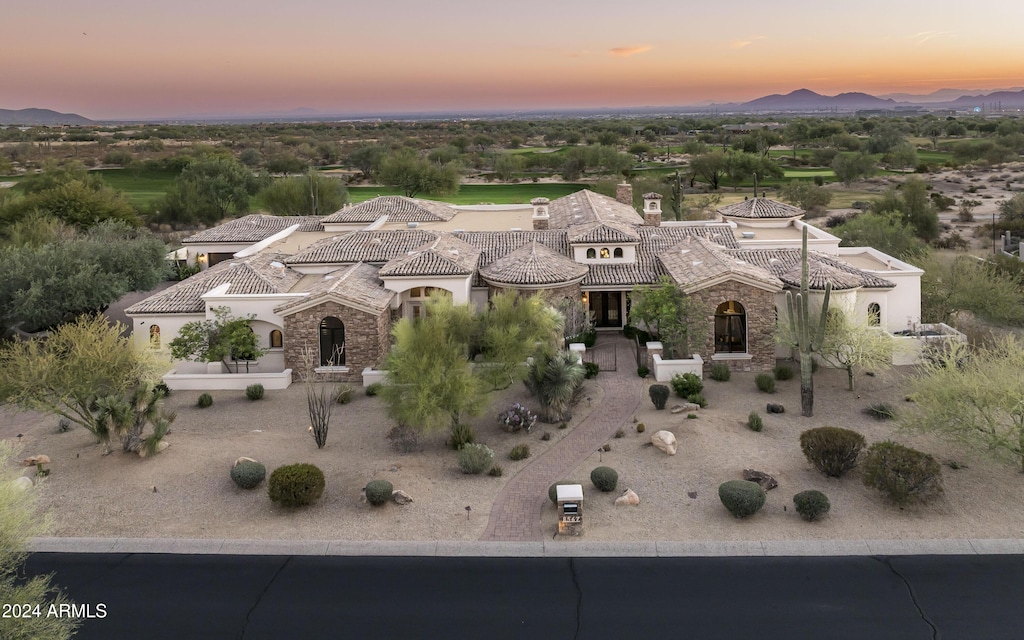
<point x="903" y="474"/>
<point x="553" y="491"/>
<point x="475" y="458"/>
<point x="254" y="391"/>
<point x="205" y="400"/>
<point x="295" y="485"/>
<point x="591" y="369"/>
<point x="248" y="474"/>
<point x="641" y="427"/>
<point x="782" y="372"/>
<point x="811" y="504"/>
<point x="373" y="388"/>
<point x="832" y="450"/>
<point x="605" y="478"/>
<point x="659" y="395"/>
<point x="378" y="492"/>
<point x="687" y="384"/>
<point x="519" y="452"/>
<point x="741" y="497"/>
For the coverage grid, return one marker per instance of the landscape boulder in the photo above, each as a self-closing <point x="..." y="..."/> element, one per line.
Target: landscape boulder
<point x="686" y="406"/>
<point x="761" y="478"/>
<point x="160" y="446"/>
<point x="666" y="441"/>
<point x="776" y="408"/>
<point x="24" y="483"/>
<point x="628" y="497"/>
<point x="400" y="497"/>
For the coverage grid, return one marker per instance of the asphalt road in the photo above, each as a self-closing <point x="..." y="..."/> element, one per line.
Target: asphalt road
<point x="155" y="596"/>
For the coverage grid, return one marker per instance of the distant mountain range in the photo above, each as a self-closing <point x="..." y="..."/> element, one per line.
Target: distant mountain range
<point x="799" y="101"/>
<point x="40" y="117"/>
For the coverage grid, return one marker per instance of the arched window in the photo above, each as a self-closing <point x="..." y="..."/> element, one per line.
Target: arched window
<point x="874" y="314"/>
<point x="154" y="336"/>
<point x="276" y="339"/>
<point x="332" y="342"/>
<point x="730" y="328"/>
<point x="605" y="253"/>
<point x="653" y="206"/>
<point x="618" y="252"/>
<point x="591" y="253"/>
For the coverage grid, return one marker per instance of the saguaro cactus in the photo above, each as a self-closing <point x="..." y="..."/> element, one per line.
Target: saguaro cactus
<point x="800" y="329"/>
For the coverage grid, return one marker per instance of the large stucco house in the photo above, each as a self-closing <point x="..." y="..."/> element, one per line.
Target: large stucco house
<point x="338" y="283"/>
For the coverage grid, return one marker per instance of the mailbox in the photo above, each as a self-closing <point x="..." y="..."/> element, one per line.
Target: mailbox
<point x="570" y="509"/>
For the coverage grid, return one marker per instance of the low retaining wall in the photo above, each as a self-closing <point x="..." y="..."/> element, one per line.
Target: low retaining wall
<point x="910" y="347"/>
<point x="373" y="376"/>
<point x="226" y="381"/>
<point x="665" y="370"/>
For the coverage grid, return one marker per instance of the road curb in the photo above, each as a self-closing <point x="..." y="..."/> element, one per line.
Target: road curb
<point x="548" y="548"/>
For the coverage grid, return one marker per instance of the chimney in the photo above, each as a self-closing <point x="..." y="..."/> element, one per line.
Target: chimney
<point x="541" y="215"/>
<point x="652" y="209"/>
<point x="624" y="193"/>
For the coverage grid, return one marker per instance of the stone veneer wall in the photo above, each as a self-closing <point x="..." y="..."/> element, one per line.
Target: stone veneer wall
<point x="367" y="338"/>
<point x="552" y="295"/>
<point x="624" y="193"/>
<point x="760" y="308"/>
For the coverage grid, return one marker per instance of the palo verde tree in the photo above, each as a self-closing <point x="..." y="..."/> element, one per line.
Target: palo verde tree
<point x="972" y="395"/>
<point x="78" y="363"/>
<point x="514" y="328"/>
<point x="849" y="346"/>
<point x="218" y="340"/>
<point x="803" y="333"/>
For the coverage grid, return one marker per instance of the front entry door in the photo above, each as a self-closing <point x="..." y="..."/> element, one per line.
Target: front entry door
<point x="606" y="307"/>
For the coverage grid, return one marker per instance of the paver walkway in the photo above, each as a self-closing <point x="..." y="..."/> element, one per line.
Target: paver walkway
<point x="515" y="515"/>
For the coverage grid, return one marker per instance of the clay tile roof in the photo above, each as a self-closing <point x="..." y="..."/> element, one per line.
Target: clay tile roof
<point x="761" y="208"/>
<point x="652" y="196"/>
<point x="356" y="285"/>
<point x="586" y="206"/>
<point x="396" y="208"/>
<point x="785" y="264"/>
<point x="262" y="273"/>
<point x="446" y="255"/>
<point x="534" y="264"/>
<point x="596" y="232"/>
<point x="253" y="228"/>
<point x="696" y="261"/>
<point x="363" y="246"/>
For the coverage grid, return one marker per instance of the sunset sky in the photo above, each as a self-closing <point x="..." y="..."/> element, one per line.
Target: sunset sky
<point x="109" y="59"/>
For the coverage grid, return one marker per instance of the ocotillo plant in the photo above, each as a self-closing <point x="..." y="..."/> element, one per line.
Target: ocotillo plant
<point x="800" y="331"/>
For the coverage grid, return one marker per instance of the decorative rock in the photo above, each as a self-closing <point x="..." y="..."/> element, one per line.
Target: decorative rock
<point x="160" y="446"/>
<point x="666" y="441"/>
<point x="760" y="477"/>
<point x="243" y="459"/>
<point x="776" y="408"/>
<point x="400" y="497"/>
<point x="23" y="483"/>
<point x="34" y="460"/>
<point x="628" y="497"/>
<point x="686" y="406"/>
<point x="678" y="408"/>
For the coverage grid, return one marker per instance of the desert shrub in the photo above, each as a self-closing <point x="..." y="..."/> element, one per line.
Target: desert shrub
<point x="462" y="435"/>
<point x="641" y="427"/>
<point x="741" y="497"/>
<point x="720" y="372"/>
<point x="475" y="458"/>
<point x="63" y="425"/>
<point x="815" y="366"/>
<point x="254" y="391"/>
<point x="295" y="485"/>
<point x="162" y="388"/>
<point x="686" y="384"/>
<point x="832" y="450"/>
<point x="247" y="474"/>
<point x="691" y="416"/>
<point x="881" y="411"/>
<point x="343" y="394"/>
<point x="517" y="417"/>
<point x="754" y="421"/>
<point x="698" y="399"/>
<point x="604" y="478"/>
<point x="373" y="388"/>
<point x="519" y="452"/>
<point x="496" y="471"/>
<point x="546" y="436"/>
<point x="643" y="371"/>
<point x="205" y="400"/>
<point x="765" y="382"/>
<point x="620" y="433"/>
<point x="782" y="372"/>
<point x="591" y="369"/>
<point x="811" y="504"/>
<point x="659" y="395"/>
<point x="378" y="492"/>
<point x="553" y="491"/>
<point x="404" y="439"/>
<point x="903" y="474"/>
